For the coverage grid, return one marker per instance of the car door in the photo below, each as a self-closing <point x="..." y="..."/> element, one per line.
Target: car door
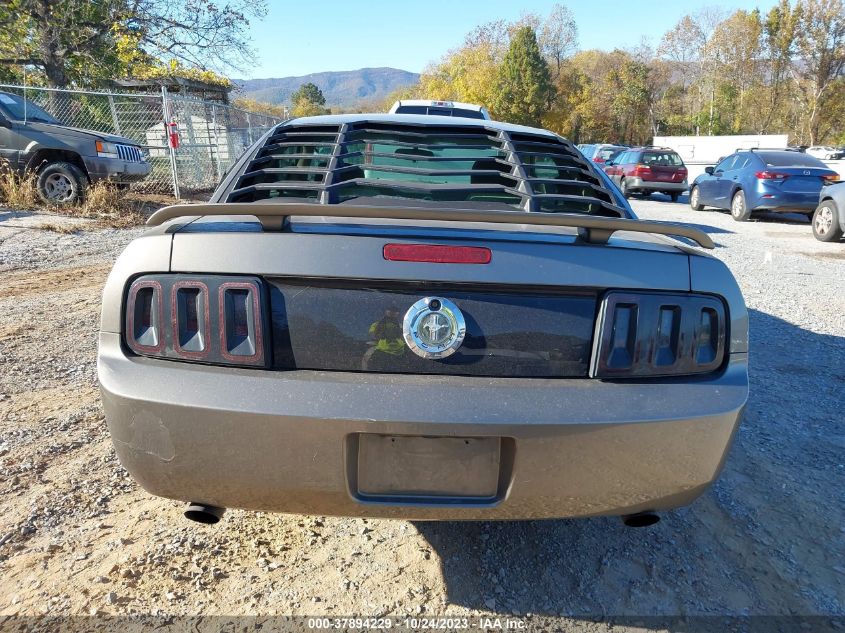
<point x="9" y="142"/>
<point x="732" y="177"/>
<point x="614" y="170"/>
<point x="715" y="190"/>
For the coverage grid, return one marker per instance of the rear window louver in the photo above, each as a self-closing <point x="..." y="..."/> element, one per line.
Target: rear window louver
<point x="332" y="164"/>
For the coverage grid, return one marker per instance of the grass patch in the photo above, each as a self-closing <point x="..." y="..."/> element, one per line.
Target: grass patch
<point x="109" y="205"/>
<point x="65" y="229"/>
<point x="17" y="191"/>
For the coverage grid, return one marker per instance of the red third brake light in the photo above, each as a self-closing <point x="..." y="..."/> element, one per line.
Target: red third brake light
<point x="437" y="254"/>
<point x="771" y="175"/>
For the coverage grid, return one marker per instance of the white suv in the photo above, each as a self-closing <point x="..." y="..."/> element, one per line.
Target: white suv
<point x="440" y="108"/>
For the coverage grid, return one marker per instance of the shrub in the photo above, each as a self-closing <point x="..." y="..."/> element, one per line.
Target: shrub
<point x="16" y="191"/>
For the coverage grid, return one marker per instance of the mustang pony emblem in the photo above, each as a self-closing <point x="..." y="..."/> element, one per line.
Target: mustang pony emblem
<point x="434" y="328"/>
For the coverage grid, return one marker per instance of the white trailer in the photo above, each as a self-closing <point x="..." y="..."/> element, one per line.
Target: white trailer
<point x="698" y="152"/>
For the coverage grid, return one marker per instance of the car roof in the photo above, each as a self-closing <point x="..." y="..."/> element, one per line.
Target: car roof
<point x="409" y="119"/>
<point x="443" y="103"/>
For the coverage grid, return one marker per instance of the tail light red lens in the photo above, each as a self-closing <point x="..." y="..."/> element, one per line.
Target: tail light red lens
<point x="771" y="175"/>
<point x="213" y="318"/>
<point x="829" y="180"/>
<point x="642" y="170"/>
<point x="437" y="254"/>
<point x="650" y="334"/>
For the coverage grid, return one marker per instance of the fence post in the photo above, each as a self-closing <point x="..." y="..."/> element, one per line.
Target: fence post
<point x="114" y="118"/>
<point x="219" y="173"/>
<point x="166" y="114"/>
<point x="249" y="127"/>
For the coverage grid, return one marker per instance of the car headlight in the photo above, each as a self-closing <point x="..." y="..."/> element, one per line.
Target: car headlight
<point x="106" y="150"/>
<point x="653" y="334"/>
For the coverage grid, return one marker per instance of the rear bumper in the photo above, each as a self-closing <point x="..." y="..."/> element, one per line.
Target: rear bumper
<point x="289" y="441"/>
<point x="785" y="207"/>
<point x="655" y="185"/>
<point x="115" y="170"/>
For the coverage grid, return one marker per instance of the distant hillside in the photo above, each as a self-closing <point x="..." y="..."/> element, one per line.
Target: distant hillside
<point x="342" y="88"/>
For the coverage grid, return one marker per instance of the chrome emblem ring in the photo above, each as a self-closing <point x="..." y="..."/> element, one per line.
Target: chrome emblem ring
<point x="434" y="328"/>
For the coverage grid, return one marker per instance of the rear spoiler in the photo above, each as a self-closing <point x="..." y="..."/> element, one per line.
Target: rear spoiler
<point x="593" y="229"/>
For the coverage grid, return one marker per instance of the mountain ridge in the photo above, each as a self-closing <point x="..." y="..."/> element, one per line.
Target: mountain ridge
<point x="340" y="88"/>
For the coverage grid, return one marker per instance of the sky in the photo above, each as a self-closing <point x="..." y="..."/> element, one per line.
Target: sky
<point x="298" y="38"/>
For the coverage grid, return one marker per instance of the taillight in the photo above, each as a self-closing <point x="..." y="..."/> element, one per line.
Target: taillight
<point x="771" y="175"/>
<point x="190" y="319"/>
<point x="658" y="335"/>
<point x="212" y="318"/>
<point x="830" y="179"/>
<point x="145" y="327"/>
<point x="642" y="170"/>
<point x="436" y="254"/>
<point x="598" y="159"/>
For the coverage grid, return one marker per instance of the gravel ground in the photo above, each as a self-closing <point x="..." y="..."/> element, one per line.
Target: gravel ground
<point x="78" y="536"/>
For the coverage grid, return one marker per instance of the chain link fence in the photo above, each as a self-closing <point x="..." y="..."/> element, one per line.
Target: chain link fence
<point x="212" y="136"/>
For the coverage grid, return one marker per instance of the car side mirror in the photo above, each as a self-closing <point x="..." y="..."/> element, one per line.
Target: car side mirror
<point x="709" y="170"/>
<point x="4" y="122"/>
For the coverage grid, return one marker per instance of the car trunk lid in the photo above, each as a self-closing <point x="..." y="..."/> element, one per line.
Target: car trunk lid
<point x="337" y="303"/>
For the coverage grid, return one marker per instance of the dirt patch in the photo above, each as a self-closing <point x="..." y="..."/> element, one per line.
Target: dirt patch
<point x="828" y="255"/>
<point x="19" y="284"/>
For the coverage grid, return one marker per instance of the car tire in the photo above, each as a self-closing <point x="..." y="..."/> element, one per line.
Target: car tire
<point x="694" y="199"/>
<point x="674" y="195"/>
<point x="825" y="221"/>
<point x="739" y="208"/>
<point x="61" y="184"/>
<point x="623" y="187"/>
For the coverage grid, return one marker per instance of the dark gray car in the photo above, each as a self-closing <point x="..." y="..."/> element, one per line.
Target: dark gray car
<point x="421" y="317"/>
<point x="829" y="217"/>
<point x="65" y="159"/>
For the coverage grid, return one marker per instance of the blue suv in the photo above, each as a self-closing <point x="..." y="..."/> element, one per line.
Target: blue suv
<point x="762" y="180"/>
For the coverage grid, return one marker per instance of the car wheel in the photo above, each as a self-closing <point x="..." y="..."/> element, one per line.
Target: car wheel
<point x="740" y="210"/>
<point x="695" y="199"/>
<point x="623" y="187"/>
<point x="825" y="223"/>
<point x="61" y="183"/>
<point x="674" y="195"/>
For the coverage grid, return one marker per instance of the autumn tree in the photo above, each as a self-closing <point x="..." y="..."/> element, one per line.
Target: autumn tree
<point x="558" y="38"/>
<point x="821" y="59"/>
<point x="308" y="100"/>
<point x="79" y="42"/>
<point x="524" y="83"/>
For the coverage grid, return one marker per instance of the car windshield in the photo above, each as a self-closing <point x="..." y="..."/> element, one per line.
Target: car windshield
<point x="19" y="109"/>
<point x="605" y="153"/>
<point x="661" y="159"/>
<point x="419" y="109"/>
<point x="789" y="159"/>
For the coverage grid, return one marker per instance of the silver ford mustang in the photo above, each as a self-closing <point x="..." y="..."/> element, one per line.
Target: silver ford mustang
<point x="421" y="317"/>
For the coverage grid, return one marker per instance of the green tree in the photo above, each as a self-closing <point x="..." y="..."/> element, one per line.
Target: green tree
<point x="81" y="42"/>
<point x="308" y="100"/>
<point x="524" y="83"/>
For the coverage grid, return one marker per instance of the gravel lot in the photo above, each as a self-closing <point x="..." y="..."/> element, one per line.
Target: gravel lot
<point x="78" y="536"/>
